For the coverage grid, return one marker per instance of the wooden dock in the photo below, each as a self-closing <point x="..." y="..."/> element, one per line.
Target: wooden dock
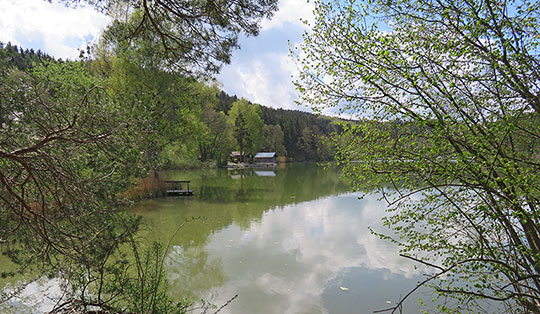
<point x="178" y="188"/>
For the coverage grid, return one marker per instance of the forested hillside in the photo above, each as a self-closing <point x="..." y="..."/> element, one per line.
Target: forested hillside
<point x="301" y="135"/>
<point x="196" y="126"/>
<point x="22" y="59"/>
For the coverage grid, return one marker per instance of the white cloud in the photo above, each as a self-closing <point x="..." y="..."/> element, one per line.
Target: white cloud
<point x="290" y="11"/>
<point x="51" y="27"/>
<point x="265" y="80"/>
<point x="268" y="82"/>
<point x="261" y="71"/>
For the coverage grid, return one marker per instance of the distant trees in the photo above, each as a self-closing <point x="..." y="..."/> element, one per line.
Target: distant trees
<point x="22" y="59"/>
<point x="298" y="135"/>
<point x="248" y="125"/>
<point x="225" y="102"/>
<point x="273" y="140"/>
<point x="448" y="94"/>
<point x="305" y="135"/>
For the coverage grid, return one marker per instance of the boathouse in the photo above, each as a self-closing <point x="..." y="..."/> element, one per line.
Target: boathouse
<point x="265" y="158"/>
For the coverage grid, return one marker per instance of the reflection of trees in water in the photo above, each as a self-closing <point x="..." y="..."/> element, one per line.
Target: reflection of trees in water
<point x="191" y="272"/>
<point x="297" y="183"/>
<point x="222" y="200"/>
<point x="238" y="186"/>
<point x="212" y="193"/>
<point x="307" y="182"/>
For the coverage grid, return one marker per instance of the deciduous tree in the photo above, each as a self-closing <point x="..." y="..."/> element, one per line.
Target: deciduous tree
<point x="447" y="94"/>
<point x="216" y="139"/>
<point x="248" y="125"/>
<point x="273" y="140"/>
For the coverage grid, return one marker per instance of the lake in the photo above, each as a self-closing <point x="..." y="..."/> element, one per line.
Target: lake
<point x="293" y="239"/>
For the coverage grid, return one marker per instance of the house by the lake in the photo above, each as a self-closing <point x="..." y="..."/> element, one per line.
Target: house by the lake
<point x="265" y="158"/>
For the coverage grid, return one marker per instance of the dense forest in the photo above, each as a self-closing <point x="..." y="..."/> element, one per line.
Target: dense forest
<point x="199" y="123"/>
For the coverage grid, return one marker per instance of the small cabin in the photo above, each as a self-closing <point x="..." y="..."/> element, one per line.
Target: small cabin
<point x="236" y="156"/>
<point x="265" y="158"/>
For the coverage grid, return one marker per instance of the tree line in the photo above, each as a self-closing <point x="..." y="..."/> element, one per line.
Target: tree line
<point x="207" y="118"/>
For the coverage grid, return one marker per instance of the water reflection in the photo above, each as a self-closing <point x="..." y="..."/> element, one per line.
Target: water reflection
<point x="37" y="296"/>
<point x="296" y="259"/>
<point x="268" y="173"/>
<point x="192" y="273"/>
<point x="284" y="244"/>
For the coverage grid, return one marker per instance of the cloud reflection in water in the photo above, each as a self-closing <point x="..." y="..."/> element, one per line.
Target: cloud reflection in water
<point x="295" y="258"/>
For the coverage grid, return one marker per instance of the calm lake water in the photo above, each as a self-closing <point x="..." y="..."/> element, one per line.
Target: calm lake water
<point x="288" y="240"/>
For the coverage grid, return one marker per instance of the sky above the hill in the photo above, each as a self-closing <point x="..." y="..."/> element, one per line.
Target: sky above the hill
<point x="260" y="71"/>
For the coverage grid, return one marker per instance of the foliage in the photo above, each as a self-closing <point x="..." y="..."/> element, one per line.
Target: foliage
<point x="225" y="102"/>
<point x="119" y="285"/>
<point x="22" y="59"/>
<point x="192" y="36"/>
<point x="304" y="134"/>
<point x="216" y="140"/>
<point x="63" y="158"/>
<point x="448" y="96"/>
<point x="49" y="114"/>
<point x="160" y="103"/>
<point x="273" y="140"/>
<point x="247" y="125"/>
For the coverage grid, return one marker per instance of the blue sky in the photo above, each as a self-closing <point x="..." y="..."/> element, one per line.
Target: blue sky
<point x="260" y="71"/>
